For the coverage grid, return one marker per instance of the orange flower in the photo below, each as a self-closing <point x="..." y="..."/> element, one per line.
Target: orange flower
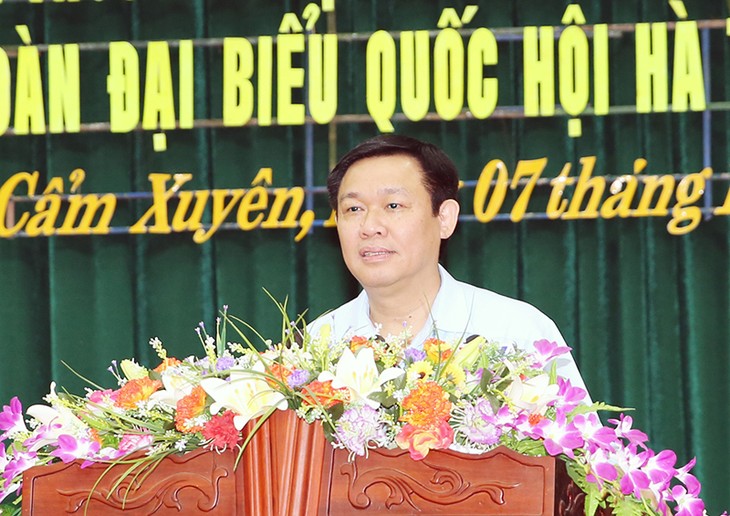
<point x="135" y="391"/>
<point x="437" y="350"/>
<point x="358" y="342"/>
<point x="168" y="362"/>
<point x="279" y="372"/>
<point x="322" y="393"/>
<point x="189" y="407"/>
<point x="94" y="434"/>
<point x="419" y="441"/>
<point x="535" y="418"/>
<point x="426" y="405"/>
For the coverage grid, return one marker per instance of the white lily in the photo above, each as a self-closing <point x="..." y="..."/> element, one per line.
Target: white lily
<point x="532" y="394"/>
<point x="360" y="375"/>
<point x="247" y="394"/>
<point x="466" y="355"/>
<point x="176" y="387"/>
<point x="53" y="422"/>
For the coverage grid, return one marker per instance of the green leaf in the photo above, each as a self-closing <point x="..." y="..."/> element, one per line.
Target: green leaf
<point x="628" y="507"/>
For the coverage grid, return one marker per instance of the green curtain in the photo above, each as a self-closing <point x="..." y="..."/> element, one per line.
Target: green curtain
<point x="647" y="313"/>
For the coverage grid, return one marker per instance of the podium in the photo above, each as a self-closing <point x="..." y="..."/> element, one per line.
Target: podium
<point x="288" y="469"/>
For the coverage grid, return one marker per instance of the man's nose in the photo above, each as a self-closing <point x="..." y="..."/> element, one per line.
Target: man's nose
<point x="372" y="224"/>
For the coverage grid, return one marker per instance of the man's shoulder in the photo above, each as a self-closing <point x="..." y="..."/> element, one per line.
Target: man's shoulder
<point x="494" y="315"/>
<point x="483" y="301"/>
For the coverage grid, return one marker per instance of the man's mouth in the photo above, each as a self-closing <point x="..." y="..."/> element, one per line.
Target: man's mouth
<point x="372" y="253"/>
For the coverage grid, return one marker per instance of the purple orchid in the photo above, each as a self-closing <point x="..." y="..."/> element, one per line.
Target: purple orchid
<point x="689" y="480"/>
<point x="602" y="468"/>
<point x="11" y="419"/>
<point x="594" y="433"/>
<point x="631" y="462"/>
<point x="687" y="503"/>
<point x="660" y="467"/>
<point x="561" y="437"/>
<point x="19" y="462"/>
<point x="69" y="449"/>
<point x="569" y="396"/>
<point x="623" y="429"/>
<point x="546" y="351"/>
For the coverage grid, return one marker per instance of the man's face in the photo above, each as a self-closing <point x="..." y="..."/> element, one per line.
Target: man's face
<point x="388" y="233"/>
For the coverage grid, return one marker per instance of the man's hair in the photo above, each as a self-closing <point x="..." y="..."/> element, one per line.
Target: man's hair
<point x="439" y="174"/>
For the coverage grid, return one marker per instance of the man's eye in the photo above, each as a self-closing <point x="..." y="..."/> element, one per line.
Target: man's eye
<point x="393" y="206"/>
<point x="352" y="209"/>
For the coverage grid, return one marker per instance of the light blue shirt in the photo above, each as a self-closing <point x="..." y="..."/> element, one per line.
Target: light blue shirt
<point x="459" y="311"/>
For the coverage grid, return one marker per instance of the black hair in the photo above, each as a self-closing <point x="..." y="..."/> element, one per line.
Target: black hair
<point x="439" y="172"/>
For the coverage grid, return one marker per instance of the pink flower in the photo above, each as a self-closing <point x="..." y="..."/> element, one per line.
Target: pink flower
<point x="133" y="442"/>
<point x="594" y="433"/>
<point x="601" y="467"/>
<point x="546" y="351"/>
<point x="623" y="429"/>
<point x="420" y="440"/>
<point x="70" y="448"/>
<point x="633" y="482"/>
<point x="560" y="436"/>
<point x="569" y="397"/>
<point x="687" y="504"/>
<point x="11" y="419"/>
<point x="20" y="462"/>
<point x="660" y="467"/>
<point x="106" y="396"/>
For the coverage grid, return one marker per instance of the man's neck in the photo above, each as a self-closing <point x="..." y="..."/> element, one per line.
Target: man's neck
<point x="398" y="308"/>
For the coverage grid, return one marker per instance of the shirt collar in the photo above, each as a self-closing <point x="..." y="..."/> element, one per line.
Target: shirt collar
<point x="450" y="310"/>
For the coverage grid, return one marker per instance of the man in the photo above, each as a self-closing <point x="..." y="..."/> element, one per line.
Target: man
<point x="395" y="199"/>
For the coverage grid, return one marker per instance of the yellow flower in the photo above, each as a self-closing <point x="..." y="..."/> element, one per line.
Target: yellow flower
<point x="454" y="374"/>
<point x="420" y="370"/>
<point x="437" y="350"/>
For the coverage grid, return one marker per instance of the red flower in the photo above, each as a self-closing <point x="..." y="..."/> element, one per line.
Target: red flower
<point x="222" y="431"/>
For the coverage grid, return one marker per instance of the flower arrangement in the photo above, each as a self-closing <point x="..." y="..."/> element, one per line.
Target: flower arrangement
<point x="471" y="395"/>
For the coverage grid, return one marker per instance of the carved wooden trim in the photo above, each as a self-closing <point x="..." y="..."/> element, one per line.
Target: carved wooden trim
<point x="289" y="469"/>
<point x="200" y="481"/>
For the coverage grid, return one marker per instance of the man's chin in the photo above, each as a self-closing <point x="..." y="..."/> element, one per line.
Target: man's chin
<point x="375" y="281"/>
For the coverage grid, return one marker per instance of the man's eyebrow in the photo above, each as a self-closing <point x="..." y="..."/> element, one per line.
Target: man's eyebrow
<point x="348" y="195"/>
<point x="389" y="190"/>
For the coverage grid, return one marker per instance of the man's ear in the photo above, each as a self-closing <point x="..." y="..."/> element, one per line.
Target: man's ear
<point x="448" y="216"/>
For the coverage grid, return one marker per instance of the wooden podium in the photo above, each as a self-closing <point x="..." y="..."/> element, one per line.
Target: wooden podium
<point x="289" y="469"/>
